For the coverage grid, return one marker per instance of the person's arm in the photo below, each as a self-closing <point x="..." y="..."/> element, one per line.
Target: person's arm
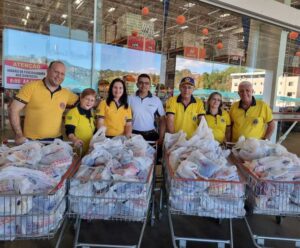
<point x="270" y="130"/>
<point x="170" y="123"/>
<point x="128" y="129"/>
<point x="162" y="129"/>
<point x="228" y="134"/>
<point x="14" y="118"/>
<point x="100" y="122"/>
<point x="76" y="141"/>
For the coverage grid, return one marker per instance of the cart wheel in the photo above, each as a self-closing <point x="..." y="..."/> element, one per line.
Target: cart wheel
<point x="278" y="220"/>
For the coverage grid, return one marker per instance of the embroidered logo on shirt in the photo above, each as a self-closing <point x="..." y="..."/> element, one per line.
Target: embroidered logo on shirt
<point x="255" y="121"/>
<point x="62" y="105"/>
<point x="222" y="120"/>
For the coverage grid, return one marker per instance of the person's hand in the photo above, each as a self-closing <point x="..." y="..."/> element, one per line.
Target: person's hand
<point x="160" y="141"/>
<point x="20" y="139"/>
<point x="77" y="142"/>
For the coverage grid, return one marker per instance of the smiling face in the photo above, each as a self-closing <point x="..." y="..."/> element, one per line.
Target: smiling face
<point x="246" y="92"/>
<point x="87" y="102"/>
<point x="56" y="74"/>
<point x="186" y="90"/>
<point x="143" y="85"/>
<point x="215" y="101"/>
<point x="117" y="90"/>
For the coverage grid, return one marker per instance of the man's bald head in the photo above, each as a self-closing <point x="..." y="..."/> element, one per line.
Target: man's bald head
<point x="245" y="92"/>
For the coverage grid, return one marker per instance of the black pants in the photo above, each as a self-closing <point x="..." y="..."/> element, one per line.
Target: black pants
<point x="151" y="135"/>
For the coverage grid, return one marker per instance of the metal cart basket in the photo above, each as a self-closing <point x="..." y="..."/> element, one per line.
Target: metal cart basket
<point x="272" y="198"/>
<point x="113" y="200"/>
<point x="207" y="198"/>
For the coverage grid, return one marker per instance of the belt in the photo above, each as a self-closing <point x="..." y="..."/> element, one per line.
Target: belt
<point x="144" y="132"/>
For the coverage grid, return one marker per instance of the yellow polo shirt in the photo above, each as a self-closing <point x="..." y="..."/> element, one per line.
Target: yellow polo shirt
<point x="44" y="109"/>
<point x="84" y="126"/>
<point x="252" y="122"/>
<point x="115" y="117"/>
<point x="186" y="118"/>
<point x="218" y="124"/>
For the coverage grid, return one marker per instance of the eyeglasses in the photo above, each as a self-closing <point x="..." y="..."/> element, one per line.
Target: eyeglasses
<point x="145" y="83"/>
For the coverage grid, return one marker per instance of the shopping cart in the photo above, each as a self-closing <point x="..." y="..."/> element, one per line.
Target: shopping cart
<point x="115" y="201"/>
<point x="37" y="215"/>
<point x="271" y="198"/>
<point x="206" y="198"/>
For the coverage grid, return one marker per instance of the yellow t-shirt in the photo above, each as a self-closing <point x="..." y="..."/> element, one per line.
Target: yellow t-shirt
<point x="115" y="117"/>
<point x="186" y="118"/>
<point x="44" y="109"/>
<point x="252" y="122"/>
<point x="218" y="124"/>
<point x="84" y="126"/>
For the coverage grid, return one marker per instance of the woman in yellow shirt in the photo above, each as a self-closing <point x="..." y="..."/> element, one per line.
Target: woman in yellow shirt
<point x="217" y="118"/>
<point x="80" y="121"/>
<point x="114" y="113"/>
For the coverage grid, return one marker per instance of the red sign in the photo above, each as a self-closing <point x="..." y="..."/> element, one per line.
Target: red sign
<point x="135" y="42"/>
<point x="191" y="52"/>
<point x="202" y="53"/>
<point x="149" y="45"/>
<point x="17" y="73"/>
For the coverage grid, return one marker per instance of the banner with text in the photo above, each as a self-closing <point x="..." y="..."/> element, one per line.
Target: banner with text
<point x="17" y="73"/>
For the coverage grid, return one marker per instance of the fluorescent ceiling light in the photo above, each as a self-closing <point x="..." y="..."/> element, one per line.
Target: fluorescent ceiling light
<point x="184" y="27"/>
<point x="24" y="21"/>
<point x="80" y="4"/>
<point x="48" y="18"/>
<point x="92" y="22"/>
<point x="189" y="5"/>
<point x="77" y="2"/>
<point x="225" y="15"/>
<point x="27" y="8"/>
<point x="212" y="12"/>
<point x="111" y="9"/>
<point x="153" y="19"/>
<point x="229" y="28"/>
<point x="63" y="22"/>
<point x="156" y="35"/>
<point x="64" y="16"/>
<point x="27" y="16"/>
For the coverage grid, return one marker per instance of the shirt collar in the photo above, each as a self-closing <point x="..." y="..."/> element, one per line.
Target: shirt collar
<point x="149" y="94"/>
<point x="87" y="113"/>
<point x="209" y="113"/>
<point x="253" y="103"/>
<point x="193" y="100"/>
<point x="52" y="92"/>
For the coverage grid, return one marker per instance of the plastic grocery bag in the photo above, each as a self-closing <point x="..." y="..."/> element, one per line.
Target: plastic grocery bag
<point x="99" y="136"/>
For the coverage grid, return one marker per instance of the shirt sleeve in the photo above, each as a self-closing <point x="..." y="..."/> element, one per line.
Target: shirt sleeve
<point x="160" y="108"/>
<point x="72" y="99"/>
<point x="269" y="115"/>
<point x="71" y="117"/>
<point x="25" y="93"/>
<point x="170" y="106"/>
<point x="227" y="118"/>
<point x="100" y="111"/>
<point x="129" y="115"/>
<point x="201" y="110"/>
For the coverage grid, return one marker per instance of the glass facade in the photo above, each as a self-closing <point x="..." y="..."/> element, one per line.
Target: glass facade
<point x="103" y="39"/>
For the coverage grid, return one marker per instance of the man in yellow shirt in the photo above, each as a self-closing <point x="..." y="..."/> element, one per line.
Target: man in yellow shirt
<point x="184" y="111"/>
<point x="250" y="117"/>
<point x="44" y="102"/>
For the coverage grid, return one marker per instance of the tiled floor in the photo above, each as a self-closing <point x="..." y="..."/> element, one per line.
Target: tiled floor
<point x="158" y="236"/>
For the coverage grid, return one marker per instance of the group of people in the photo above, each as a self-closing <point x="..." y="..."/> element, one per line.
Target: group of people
<point x="45" y="101"/>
